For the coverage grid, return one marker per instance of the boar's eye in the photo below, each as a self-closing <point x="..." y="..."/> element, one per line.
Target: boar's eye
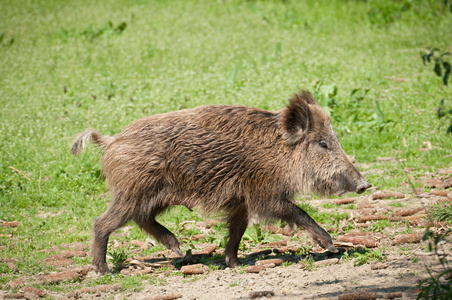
<point x="323" y="144"/>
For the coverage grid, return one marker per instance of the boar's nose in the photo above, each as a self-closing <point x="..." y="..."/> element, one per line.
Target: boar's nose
<point x="361" y="188"/>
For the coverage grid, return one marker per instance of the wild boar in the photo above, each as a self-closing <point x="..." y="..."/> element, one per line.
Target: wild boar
<point x="239" y="160"/>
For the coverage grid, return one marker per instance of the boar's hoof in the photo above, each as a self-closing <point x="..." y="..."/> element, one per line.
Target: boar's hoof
<point x="232" y="261"/>
<point x="178" y="252"/>
<point x="101" y="268"/>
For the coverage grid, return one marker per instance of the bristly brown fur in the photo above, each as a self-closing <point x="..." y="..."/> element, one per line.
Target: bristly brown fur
<point x="240" y="160"/>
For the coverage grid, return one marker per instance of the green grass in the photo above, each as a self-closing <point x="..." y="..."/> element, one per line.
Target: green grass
<point x="396" y="204"/>
<point x="363" y="256"/>
<point x="68" y="66"/>
<point x="441" y="212"/>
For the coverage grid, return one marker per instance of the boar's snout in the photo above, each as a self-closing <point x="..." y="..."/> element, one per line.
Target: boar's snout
<point x="362" y="187"/>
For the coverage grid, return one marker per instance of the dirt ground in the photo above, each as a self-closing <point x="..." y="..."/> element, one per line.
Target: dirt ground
<point x="329" y="278"/>
<point x="277" y="270"/>
<point x="295" y="282"/>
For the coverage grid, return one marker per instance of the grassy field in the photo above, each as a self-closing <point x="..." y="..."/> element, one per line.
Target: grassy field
<point x="68" y="66"/>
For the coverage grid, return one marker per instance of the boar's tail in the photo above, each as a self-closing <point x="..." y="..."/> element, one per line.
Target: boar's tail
<point x="91" y="134"/>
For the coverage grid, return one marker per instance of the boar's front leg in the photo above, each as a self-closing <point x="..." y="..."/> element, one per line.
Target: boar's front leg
<point x="237" y="221"/>
<point x="293" y="214"/>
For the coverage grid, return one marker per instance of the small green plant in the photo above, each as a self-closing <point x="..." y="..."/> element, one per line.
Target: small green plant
<point x="328" y="205"/>
<point x="118" y="258"/>
<point x="234" y="283"/>
<point x="436" y="286"/>
<point x="213" y="267"/>
<point x="92" y="33"/>
<point x="353" y="113"/>
<point x="363" y="256"/>
<point x="349" y="206"/>
<point x="441" y="66"/>
<point x="3" y="42"/>
<point x="308" y="263"/>
<point x="255" y="234"/>
<point x="380" y="225"/>
<point x="287" y="263"/>
<point x="303" y="250"/>
<point x="445" y="113"/>
<point x="441" y="212"/>
<point x="348" y="227"/>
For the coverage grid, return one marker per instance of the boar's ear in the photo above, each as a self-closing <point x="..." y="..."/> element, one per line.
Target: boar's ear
<point x="296" y="117"/>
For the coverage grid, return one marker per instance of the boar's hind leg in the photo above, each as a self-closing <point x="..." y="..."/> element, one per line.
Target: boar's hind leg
<point x="108" y="222"/>
<point x="295" y="215"/>
<point x="161" y="233"/>
<point x="238" y="221"/>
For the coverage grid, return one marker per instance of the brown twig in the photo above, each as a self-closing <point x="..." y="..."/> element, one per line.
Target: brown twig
<point x="39" y="182"/>
<point x="20" y="172"/>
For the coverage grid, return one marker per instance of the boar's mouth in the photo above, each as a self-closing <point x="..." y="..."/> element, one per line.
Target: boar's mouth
<point x="360" y="188"/>
<point x="340" y="184"/>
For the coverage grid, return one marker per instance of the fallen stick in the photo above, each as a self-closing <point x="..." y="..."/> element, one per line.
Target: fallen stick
<point x="263" y="252"/>
<point x="9" y="224"/>
<point x="414" y="220"/>
<point x="378" y="266"/>
<point x="207" y="251"/>
<point x="326" y="262"/>
<point x="259" y="294"/>
<point x="285" y="249"/>
<point x="194" y="269"/>
<point x="359" y="240"/>
<point x="407" y="238"/>
<point x="407" y="212"/>
<point x="358" y="296"/>
<point x="20" y="296"/>
<point x="168" y="297"/>
<point x="394" y="295"/>
<point x="387" y="194"/>
<point x="18" y="282"/>
<point x="363" y="219"/>
<point x="33" y="290"/>
<point x="442" y="193"/>
<point x="137" y="272"/>
<point x="276" y="261"/>
<point x="94" y="289"/>
<point x="276" y="244"/>
<point x="355" y="232"/>
<point x="344" y="201"/>
<point x="258" y="269"/>
<point x="65" y="275"/>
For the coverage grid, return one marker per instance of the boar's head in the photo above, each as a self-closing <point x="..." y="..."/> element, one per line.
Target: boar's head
<point x="324" y="167"/>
